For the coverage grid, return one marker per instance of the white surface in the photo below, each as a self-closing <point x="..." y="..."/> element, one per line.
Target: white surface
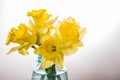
<point x="99" y="59"/>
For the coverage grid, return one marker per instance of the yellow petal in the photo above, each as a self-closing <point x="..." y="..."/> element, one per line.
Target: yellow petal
<point x="69" y="51"/>
<point x="78" y="44"/>
<point x="32" y="27"/>
<point x="82" y="32"/>
<point x="51" y="21"/>
<point x="46" y="16"/>
<point x="23" y="51"/>
<point x="59" y="61"/>
<point x="13" y="49"/>
<point x="46" y="63"/>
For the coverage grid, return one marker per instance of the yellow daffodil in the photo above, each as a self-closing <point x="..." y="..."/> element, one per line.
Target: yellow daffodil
<point x="42" y="24"/>
<point x="50" y="50"/>
<point x="70" y="32"/>
<point x="41" y="20"/>
<point x="22" y="36"/>
<point x="40" y="17"/>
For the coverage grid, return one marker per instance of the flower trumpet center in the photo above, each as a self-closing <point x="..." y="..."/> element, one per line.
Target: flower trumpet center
<point x="53" y="48"/>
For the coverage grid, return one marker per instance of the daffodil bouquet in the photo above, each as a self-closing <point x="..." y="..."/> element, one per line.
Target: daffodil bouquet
<point x="51" y="42"/>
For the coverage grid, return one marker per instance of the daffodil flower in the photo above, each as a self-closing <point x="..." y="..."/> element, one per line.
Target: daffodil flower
<point x="70" y="31"/>
<point x="21" y="36"/>
<point x="50" y="50"/>
<point x="42" y="23"/>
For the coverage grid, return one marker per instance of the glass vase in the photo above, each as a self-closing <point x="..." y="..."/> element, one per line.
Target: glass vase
<point x="52" y="73"/>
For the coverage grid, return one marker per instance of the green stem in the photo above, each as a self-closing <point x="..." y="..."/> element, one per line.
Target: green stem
<point x="58" y="77"/>
<point x="51" y="73"/>
<point x="42" y="77"/>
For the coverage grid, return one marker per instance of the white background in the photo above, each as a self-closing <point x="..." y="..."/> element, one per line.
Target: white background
<point x="99" y="59"/>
